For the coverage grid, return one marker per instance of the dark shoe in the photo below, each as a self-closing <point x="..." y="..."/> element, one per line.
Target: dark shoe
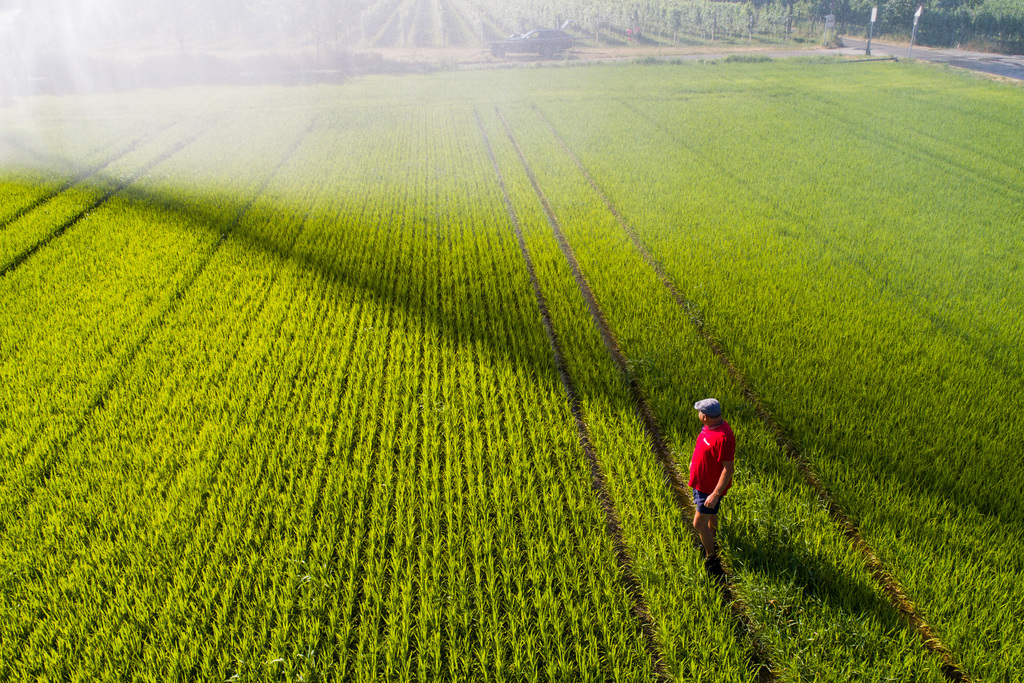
<point x="713" y="566"/>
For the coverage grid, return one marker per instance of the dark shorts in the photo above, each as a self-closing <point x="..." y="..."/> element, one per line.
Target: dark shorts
<point x="698" y="501"/>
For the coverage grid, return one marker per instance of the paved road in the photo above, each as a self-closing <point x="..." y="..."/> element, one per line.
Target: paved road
<point x="1008" y="66"/>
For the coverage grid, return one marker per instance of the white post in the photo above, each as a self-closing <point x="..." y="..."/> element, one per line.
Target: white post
<point x="913" y="33"/>
<point x="830" y="26"/>
<point x="871" y="29"/>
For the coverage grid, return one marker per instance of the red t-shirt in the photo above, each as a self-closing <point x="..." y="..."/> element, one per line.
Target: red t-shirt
<point x="715" y="445"/>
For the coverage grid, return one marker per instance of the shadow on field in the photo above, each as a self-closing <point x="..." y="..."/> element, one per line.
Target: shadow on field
<point x="221" y="213"/>
<point x="798" y="577"/>
<point x="773" y="552"/>
<point x="362" y="233"/>
<point x="399" y="278"/>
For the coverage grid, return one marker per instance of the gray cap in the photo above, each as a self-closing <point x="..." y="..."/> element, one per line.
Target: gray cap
<point x="709" y="406"/>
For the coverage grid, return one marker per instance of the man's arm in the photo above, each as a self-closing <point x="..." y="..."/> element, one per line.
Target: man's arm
<point x="723" y="483"/>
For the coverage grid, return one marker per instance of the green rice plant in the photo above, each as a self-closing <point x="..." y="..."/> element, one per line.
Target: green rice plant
<point x="299" y="416"/>
<point x="251" y="395"/>
<point x="671" y="333"/>
<point x="780" y="290"/>
<point x="605" y="395"/>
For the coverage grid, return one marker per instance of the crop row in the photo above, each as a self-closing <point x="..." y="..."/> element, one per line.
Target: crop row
<point x="343" y="452"/>
<point x="880" y="574"/>
<point x="35" y="211"/>
<point x="597" y="474"/>
<point x="647" y="316"/>
<point x="826" y="318"/>
<point x="299" y="415"/>
<point x="120" y="279"/>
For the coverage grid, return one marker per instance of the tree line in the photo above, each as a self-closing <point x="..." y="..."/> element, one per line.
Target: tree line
<point x="194" y="25"/>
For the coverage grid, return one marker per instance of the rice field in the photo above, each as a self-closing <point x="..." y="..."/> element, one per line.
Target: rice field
<point x="393" y="379"/>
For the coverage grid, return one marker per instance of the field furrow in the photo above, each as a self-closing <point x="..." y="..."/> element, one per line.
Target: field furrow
<point x="881" y="575"/>
<point x="592" y="244"/>
<point x="759" y="658"/>
<point x="783" y="300"/>
<point x="612" y="527"/>
<point x="695" y="613"/>
<point x="392" y="378"/>
<point x="39" y="455"/>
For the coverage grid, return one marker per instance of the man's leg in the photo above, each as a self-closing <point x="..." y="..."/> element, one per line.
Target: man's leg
<point x="706" y="525"/>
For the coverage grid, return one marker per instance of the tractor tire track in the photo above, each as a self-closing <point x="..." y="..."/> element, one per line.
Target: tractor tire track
<point x="100" y="201"/>
<point x="943" y="152"/>
<point x="926" y="311"/>
<point x="35" y="472"/>
<point x="882" y="577"/>
<point x="613" y="528"/>
<point x="82" y="176"/>
<point x="758" y="656"/>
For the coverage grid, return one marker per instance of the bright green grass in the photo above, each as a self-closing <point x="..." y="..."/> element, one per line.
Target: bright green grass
<point x="850" y="237"/>
<point x="296" y="416"/>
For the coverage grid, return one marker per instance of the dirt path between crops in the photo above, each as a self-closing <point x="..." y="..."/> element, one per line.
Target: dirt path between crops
<point x="882" y="576"/>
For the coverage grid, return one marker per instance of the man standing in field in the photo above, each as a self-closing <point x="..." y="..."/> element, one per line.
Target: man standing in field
<point x="711" y="476"/>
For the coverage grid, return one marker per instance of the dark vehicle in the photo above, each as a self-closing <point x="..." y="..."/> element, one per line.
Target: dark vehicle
<point x="545" y="42"/>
